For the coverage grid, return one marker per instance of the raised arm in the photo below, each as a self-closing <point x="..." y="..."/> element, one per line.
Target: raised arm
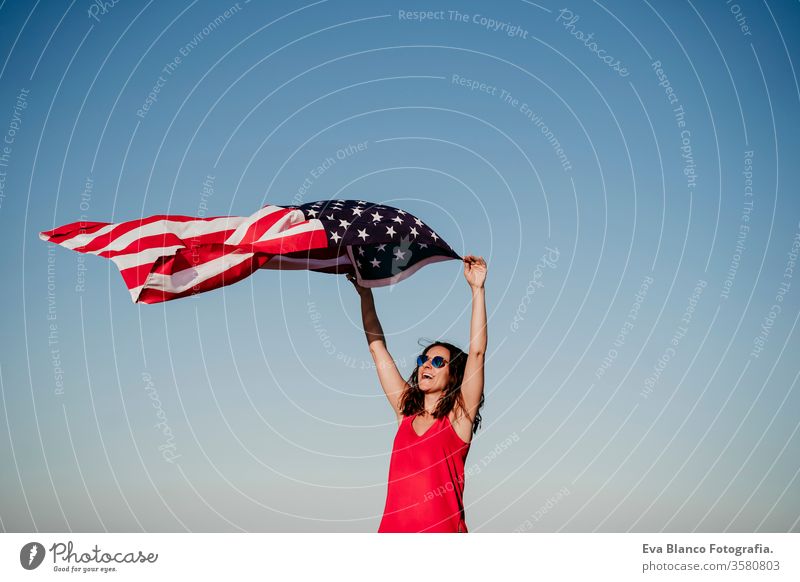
<point x="472" y="385"/>
<point x="391" y="381"/>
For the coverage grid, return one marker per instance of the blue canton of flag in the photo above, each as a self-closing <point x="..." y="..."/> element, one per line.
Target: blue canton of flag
<point x="381" y="244"/>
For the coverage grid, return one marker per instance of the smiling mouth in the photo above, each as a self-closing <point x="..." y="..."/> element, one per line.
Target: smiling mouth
<point x="427" y="377"/>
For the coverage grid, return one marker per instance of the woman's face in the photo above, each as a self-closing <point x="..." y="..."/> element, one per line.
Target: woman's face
<point x="432" y="379"/>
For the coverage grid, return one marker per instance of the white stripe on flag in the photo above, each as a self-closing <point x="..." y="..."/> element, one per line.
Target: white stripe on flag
<point x="277" y="230"/>
<point x="135" y="292"/>
<point x="83" y="239"/>
<point x="182" y="230"/>
<point x="236" y="237"/>
<point x="183" y="280"/>
<point x="144" y="257"/>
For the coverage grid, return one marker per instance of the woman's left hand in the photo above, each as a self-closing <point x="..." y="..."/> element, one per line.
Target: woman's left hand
<point x="474" y="270"/>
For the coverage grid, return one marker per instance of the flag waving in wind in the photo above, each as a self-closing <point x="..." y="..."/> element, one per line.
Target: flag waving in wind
<point x="166" y="257"/>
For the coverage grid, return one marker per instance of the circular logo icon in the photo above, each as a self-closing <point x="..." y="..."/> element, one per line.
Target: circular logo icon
<point x="31" y="555"/>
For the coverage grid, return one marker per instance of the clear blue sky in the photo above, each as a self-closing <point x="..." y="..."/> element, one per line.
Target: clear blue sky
<point x="638" y="377"/>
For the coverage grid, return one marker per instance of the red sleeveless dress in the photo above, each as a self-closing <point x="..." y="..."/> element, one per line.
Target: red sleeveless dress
<point x="426" y="480"/>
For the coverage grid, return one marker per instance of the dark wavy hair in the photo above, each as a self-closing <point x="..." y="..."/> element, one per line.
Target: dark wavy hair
<point x="412" y="400"/>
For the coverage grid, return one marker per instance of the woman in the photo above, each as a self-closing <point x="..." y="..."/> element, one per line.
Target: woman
<point x="438" y="410"/>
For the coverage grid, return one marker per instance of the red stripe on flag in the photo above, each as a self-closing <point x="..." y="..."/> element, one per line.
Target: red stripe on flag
<point x="169" y="239"/>
<point x="102" y="241"/>
<point x="66" y="232"/>
<point x="191" y="258"/>
<point x="263" y="224"/>
<point x="136" y="276"/>
<point x="195" y="256"/>
<point x="310" y="239"/>
<point x="228" y="277"/>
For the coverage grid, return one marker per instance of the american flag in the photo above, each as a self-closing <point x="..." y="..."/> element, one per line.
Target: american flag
<point x="166" y="257"/>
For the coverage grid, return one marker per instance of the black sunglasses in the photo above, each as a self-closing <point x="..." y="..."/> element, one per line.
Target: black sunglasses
<point x="436" y="361"/>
